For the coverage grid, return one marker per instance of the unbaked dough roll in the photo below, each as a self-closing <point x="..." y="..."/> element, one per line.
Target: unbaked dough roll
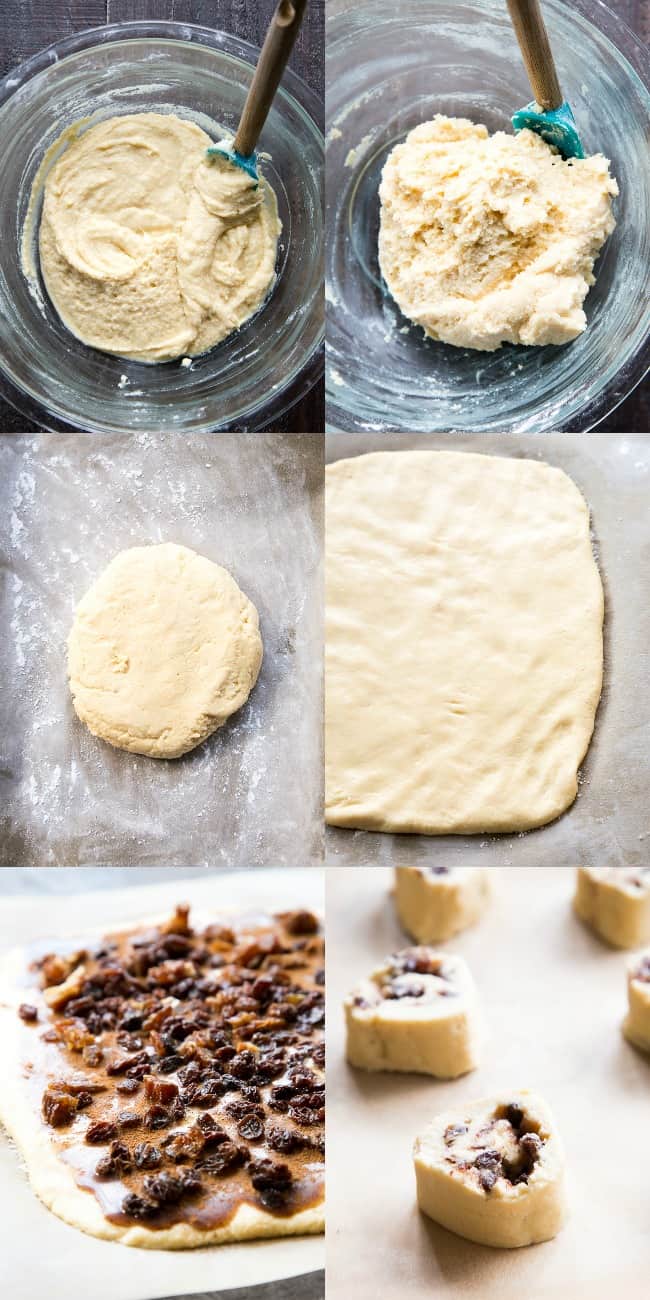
<point x="434" y="903"/>
<point x="416" y="1012"/>
<point x="615" y="902"/>
<point x="636" y="1025"/>
<point x="493" y="1171"/>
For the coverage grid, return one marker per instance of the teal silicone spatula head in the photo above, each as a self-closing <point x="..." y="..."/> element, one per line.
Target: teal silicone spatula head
<point x="549" y="115"/>
<point x="274" y="56"/>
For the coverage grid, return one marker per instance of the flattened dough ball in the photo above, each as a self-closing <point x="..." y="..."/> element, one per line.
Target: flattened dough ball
<point x="493" y="1171"/>
<point x="636" y="1025"/>
<point x="615" y="902"/>
<point x="434" y="903"/>
<point x="416" y="1013"/>
<point x="464" y="647"/>
<point x="163" y="649"/>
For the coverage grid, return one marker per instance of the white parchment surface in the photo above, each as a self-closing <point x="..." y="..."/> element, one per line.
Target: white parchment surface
<point x="252" y="793"/>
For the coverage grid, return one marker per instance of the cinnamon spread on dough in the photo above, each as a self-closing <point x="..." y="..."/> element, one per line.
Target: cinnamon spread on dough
<point x="182" y="1072"/>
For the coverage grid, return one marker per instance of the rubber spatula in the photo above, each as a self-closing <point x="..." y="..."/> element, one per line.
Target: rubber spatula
<point x="549" y="115"/>
<point x="274" y="56"/>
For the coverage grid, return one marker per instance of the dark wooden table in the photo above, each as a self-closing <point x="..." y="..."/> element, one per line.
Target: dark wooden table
<point x="27" y="26"/>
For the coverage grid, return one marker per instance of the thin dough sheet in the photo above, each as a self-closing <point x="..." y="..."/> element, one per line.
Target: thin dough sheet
<point x="66" y="1257"/>
<point x="464" y="638"/>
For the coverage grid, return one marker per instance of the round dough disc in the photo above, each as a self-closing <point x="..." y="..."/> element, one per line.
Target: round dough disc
<point x="163" y="648"/>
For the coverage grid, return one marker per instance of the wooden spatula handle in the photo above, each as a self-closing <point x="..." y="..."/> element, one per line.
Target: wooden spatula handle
<point x="534" y="44"/>
<point x="278" y="44"/>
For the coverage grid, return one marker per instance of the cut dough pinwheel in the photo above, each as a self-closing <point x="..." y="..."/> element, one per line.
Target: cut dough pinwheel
<point x="493" y="1171"/>
<point x="417" y="1013"/>
<point x="434" y="903"/>
<point x="615" y="902"/>
<point x="636" y="1025"/>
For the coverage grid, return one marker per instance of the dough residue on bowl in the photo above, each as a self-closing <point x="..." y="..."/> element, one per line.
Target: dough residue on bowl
<point x="148" y="248"/>
<point x="491" y="239"/>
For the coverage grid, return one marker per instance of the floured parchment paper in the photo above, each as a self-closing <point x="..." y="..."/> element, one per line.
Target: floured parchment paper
<point x="609" y="822"/>
<point x="251" y="793"/>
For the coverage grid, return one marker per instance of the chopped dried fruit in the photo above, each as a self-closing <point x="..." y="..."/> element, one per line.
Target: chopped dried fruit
<point x="101" y="1132"/>
<point x="228" y="1022"/>
<point x="184" y="1145"/>
<point x="28" y="1013"/>
<point x="160" y="1090"/>
<point x="59" y="1106"/>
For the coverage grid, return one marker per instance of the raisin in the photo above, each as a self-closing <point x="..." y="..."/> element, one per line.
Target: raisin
<point x="250" y="1093"/>
<point x="105" y="1168"/>
<point x="28" y="1013"/>
<point x="137" y="1208"/>
<point x="146" y="1156"/>
<point x="487" y="1160"/>
<point x="157" y="1117"/>
<point x="132" y="1020"/>
<point x="303" y="1115"/>
<point x="530" y="1143"/>
<point x="225" y="1053"/>
<point x="128" y="1085"/>
<point x="117" y="1161"/>
<point x="243" y="1065"/>
<point x="250" y="1128"/>
<point x="453" y="1131"/>
<point x="273" y="1181"/>
<point x="224" y="1160"/>
<point x="128" y="1119"/>
<point x="190" y="1182"/>
<point x="101" y="1132"/>
<point x="208" y="1092"/>
<point x="487" y="1178"/>
<point x="170" y="1064"/>
<point x="163" y="1188"/>
<point x="284" y="1140"/>
<point x="212" y="1132"/>
<point x="263" y="988"/>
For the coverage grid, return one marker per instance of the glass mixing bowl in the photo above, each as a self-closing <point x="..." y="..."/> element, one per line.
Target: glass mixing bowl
<point x="276" y="356"/>
<point x="391" y="66"/>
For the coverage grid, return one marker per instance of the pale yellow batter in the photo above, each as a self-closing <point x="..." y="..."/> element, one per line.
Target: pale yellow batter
<point x="148" y="248"/>
<point x="486" y="239"/>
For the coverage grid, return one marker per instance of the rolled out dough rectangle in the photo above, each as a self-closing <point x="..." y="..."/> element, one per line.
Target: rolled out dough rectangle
<point x="464" y="649"/>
